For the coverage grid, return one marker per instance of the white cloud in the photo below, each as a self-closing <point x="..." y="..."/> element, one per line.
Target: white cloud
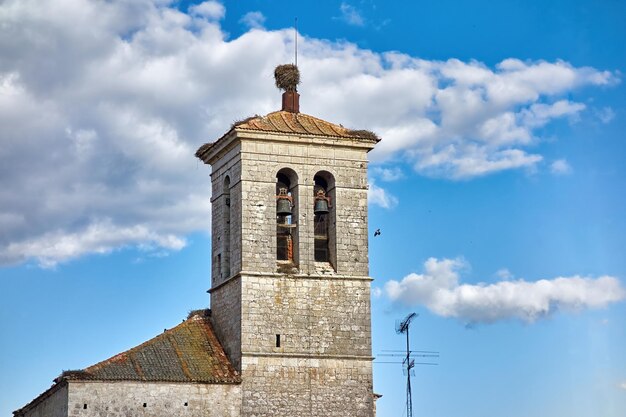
<point x="377" y="292"/>
<point x="560" y="167"/>
<point x="605" y="114"/>
<point x="209" y="10"/>
<point x="504" y="274"/>
<point x="351" y="15"/>
<point x="623" y="385"/>
<point x="97" y="237"/>
<point x="102" y="105"/>
<point x="380" y="197"/>
<point x="253" y="20"/>
<point x="388" y="174"/>
<point x="438" y="288"/>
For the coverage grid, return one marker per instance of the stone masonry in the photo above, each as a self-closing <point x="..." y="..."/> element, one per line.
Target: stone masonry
<point x="126" y="398"/>
<point x="320" y="311"/>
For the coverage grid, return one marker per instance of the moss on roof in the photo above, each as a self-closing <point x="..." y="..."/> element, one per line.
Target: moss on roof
<point x="189" y="352"/>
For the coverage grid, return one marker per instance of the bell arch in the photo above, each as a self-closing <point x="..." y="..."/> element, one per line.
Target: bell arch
<point x="287" y="241"/>
<point x="325" y="218"/>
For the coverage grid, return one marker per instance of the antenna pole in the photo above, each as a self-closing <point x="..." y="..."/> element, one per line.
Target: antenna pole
<point x="296" y="30"/>
<point x="403" y="327"/>
<point x="409" y="397"/>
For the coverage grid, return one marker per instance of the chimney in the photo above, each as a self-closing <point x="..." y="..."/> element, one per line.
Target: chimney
<point x="291" y="101"/>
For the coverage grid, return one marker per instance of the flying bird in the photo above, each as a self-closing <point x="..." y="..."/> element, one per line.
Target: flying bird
<point x="377" y="232"/>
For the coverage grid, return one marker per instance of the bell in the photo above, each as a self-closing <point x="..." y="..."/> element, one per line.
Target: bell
<point x="283" y="207"/>
<point x="321" y="206"/>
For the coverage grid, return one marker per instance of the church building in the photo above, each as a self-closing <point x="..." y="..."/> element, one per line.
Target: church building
<point x="288" y="332"/>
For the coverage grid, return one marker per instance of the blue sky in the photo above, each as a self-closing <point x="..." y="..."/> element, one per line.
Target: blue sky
<point x="498" y="186"/>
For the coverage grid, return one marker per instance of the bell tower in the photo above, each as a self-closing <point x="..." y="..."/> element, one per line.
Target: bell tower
<point x="290" y="285"/>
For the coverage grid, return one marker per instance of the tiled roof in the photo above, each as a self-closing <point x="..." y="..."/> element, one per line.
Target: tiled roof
<point x="189" y="352"/>
<point x="293" y="123"/>
<point x="288" y="122"/>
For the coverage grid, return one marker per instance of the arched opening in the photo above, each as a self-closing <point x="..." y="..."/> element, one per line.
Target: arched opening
<point x="286" y="215"/>
<point x="324" y="209"/>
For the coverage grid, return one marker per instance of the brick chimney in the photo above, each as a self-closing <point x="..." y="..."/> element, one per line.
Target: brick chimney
<point x="291" y="101"/>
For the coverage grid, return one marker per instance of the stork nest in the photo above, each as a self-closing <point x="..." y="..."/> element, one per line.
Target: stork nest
<point x="242" y="121"/>
<point x="205" y="312"/>
<point x="366" y="134"/>
<point x="287" y="77"/>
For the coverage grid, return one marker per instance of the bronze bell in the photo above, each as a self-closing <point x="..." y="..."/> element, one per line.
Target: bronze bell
<point x="321" y="206"/>
<point x="283" y="207"/>
<point x="283" y="202"/>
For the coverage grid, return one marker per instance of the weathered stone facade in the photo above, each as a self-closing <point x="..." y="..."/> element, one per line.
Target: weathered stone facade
<point x="125" y="398"/>
<point x="299" y="332"/>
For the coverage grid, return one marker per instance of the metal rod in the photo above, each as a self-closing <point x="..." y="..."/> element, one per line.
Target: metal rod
<point x="414" y="363"/>
<point x="296" y="30"/>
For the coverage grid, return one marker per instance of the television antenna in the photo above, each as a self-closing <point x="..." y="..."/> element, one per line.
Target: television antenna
<point x="408" y="362"/>
<point x="408" y="356"/>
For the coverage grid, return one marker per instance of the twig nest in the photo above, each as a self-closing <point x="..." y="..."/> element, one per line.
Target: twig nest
<point x="366" y="134"/>
<point x="287" y="77"/>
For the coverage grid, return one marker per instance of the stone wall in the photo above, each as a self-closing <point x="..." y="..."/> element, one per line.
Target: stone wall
<point x="127" y="399"/>
<point x="313" y="315"/>
<point x="226" y="318"/>
<point x="312" y="387"/>
<point x="261" y="160"/>
<point x="319" y="310"/>
<point x="229" y="166"/>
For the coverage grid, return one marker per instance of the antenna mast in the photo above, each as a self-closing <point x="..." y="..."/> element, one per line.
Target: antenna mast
<point x="296" y="36"/>
<point x="401" y="328"/>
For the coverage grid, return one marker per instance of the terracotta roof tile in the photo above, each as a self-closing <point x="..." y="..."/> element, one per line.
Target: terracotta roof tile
<point x="287" y="122"/>
<point x="189" y="352"/>
<point x="293" y="123"/>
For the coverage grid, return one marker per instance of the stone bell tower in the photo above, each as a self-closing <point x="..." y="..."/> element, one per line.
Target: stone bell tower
<point x="290" y="285"/>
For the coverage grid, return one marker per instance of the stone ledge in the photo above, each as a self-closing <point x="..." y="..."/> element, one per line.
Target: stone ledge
<point x="306" y="356"/>
<point x="294" y="277"/>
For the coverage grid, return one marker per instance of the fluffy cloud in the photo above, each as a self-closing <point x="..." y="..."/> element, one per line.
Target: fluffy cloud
<point x="209" y="9"/>
<point x="438" y="288"/>
<point x="102" y="105"/>
<point x="560" y="167"/>
<point x="605" y="114"/>
<point x="388" y="174"/>
<point x="351" y="15"/>
<point x="380" y="197"/>
<point x="253" y="20"/>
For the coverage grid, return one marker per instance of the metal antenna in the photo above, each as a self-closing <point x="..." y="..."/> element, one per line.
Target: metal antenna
<point x="296" y="30"/>
<point x="409" y="363"/>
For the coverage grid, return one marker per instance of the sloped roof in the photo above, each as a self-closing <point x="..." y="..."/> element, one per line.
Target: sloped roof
<point x="189" y="352"/>
<point x="288" y="122"/>
<point x="292" y="123"/>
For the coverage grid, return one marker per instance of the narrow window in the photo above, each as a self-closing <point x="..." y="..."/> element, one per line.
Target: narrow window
<point x="84" y="406"/>
<point x="325" y="218"/>
<point x="145" y="405"/>
<point x="186" y="404"/>
<point x="219" y="263"/>
<point x="225" y="268"/>
<point x="321" y="210"/>
<point x="286" y="208"/>
<point x="278" y="340"/>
